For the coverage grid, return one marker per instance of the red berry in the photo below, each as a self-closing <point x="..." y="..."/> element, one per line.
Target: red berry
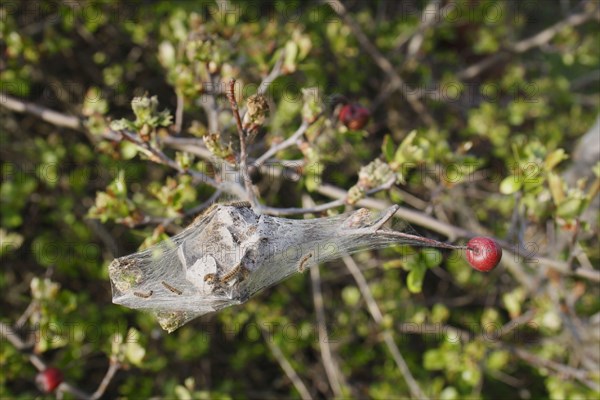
<point x="49" y="379"/>
<point x="483" y="253"/>
<point x="354" y="116"/>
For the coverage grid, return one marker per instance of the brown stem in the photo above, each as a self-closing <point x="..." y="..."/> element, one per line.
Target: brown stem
<point x="243" y="151"/>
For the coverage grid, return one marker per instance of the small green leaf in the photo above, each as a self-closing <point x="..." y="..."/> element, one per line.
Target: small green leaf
<point x="554" y="158"/>
<point x="571" y="208"/>
<point x="9" y="241"/>
<point x="596" y="169"/>
<point x="351" y="295"/>
<point x="415" y="277"/>
<point x="434" y="360"/>
<point x="513" y="300"/>
<point x="291" y="52"/>
<point x="511" y="184"/>
<point x="555" y="183"/>
<point x="449" y="393"/>
<point x="121" y="124"/>
<point x="387" y="148"/>
<point x="431" y="257"/>
<point x="497" y="360"/>
<point x="392" y="264"/>
<point x="406" y="150"/>
<point x="128" y="150"/>
<point x="133" y="351"/>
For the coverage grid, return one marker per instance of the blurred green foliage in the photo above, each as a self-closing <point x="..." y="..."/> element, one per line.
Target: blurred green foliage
<point x="495" y="164"/>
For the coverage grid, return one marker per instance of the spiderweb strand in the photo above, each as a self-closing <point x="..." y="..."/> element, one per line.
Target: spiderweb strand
<point x="230" y="253"/>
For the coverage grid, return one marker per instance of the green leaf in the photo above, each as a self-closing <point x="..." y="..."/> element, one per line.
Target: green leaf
<point x="387" y="148"/>
<point x="554" y="158"/>
<point x="511" y="184"/>
<point x="415" y="277"/>
<point x="449" y="393"/>
<point x="434" y="360"/>
<point x="572" y="207"/>
<point x="432" y="257"/>
<point x="118" y="187"/>
<point x="351" y="295"/>
<point x="513" y="300"/>
<point x="291" y="52"/>
<point x="596" y="169"/>
<point x="128" y="150"/>
<point x="555" y="183"/>
<point x="9" y="242"/>
<point x="133" y="351"/>
<point x="407" y="151"/>
<point x="498" y="360"/>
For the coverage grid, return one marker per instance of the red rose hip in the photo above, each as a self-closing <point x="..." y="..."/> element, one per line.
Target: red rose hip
<point x="49" y="379"/>
<point x="483" y="253"/>
<point x="354" y="116"/>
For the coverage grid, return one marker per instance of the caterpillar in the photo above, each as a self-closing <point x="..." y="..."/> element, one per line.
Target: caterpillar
<point x="303" y="261"/>
<point x="172" y="289"/>
<point x="143" y="295"/>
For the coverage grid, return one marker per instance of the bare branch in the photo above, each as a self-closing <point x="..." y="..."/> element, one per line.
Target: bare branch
<point x="564" y="370"/>
<point x="45" y="114"/>
<point x="179" y="113"/>
<point x="450" y="231"/>
<point x="13" y="338"/>
<point x="285" y="365"/>
<point x="283" y="145"/>
<point x="388" y="338"/>
<point x="269" y="79"/>
<point x="243" y="161"/>
<point x="524" y="45"/>
<point x="209" y="103"/>
<point x="113" y="367"/>
<point x="274" y="74"/>
<point x="326" y="206"/>
<point x="429" y="17"/>
<point x="395" y="80"/>
<point x="331" y="368"/>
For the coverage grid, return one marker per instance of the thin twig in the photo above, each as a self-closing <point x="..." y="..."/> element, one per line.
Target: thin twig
<point x="274" y="74"/>
<point x="31" y="308"/>
<point x="283" y="145"/>
<point x="209" y="103"/>
<point x="13" y="338"/>
<point x="388" y="338"/>
<point x="165" y="221"/>
<point x="395" y="80"/>
<point x="113" y="367"/>
<point x="285" y="365"/>
<point x="72" y="122"/>
<point x="431" y="14"/>
<point x="524" y="45"/>
<point x="159" y="157"/>
<point x="236" y="113"/>
<point x="331" y="368"/>
<point x="243" y="151"/>
<point x="46" y="114"/>
<point x="564" y="370"/>
<point x="269" y="79"/>
<point x="476" y="69"/>
<point x="334" y="375"/>
<point x="179" y="113"/>
<point x="452" y="232"/>
<point x="194" y="146"/>
<point x="326" y="206"/>
<point x="419" y="239"/>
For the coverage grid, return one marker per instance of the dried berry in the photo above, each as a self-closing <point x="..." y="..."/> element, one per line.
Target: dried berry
<point x="354" y="116"/>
